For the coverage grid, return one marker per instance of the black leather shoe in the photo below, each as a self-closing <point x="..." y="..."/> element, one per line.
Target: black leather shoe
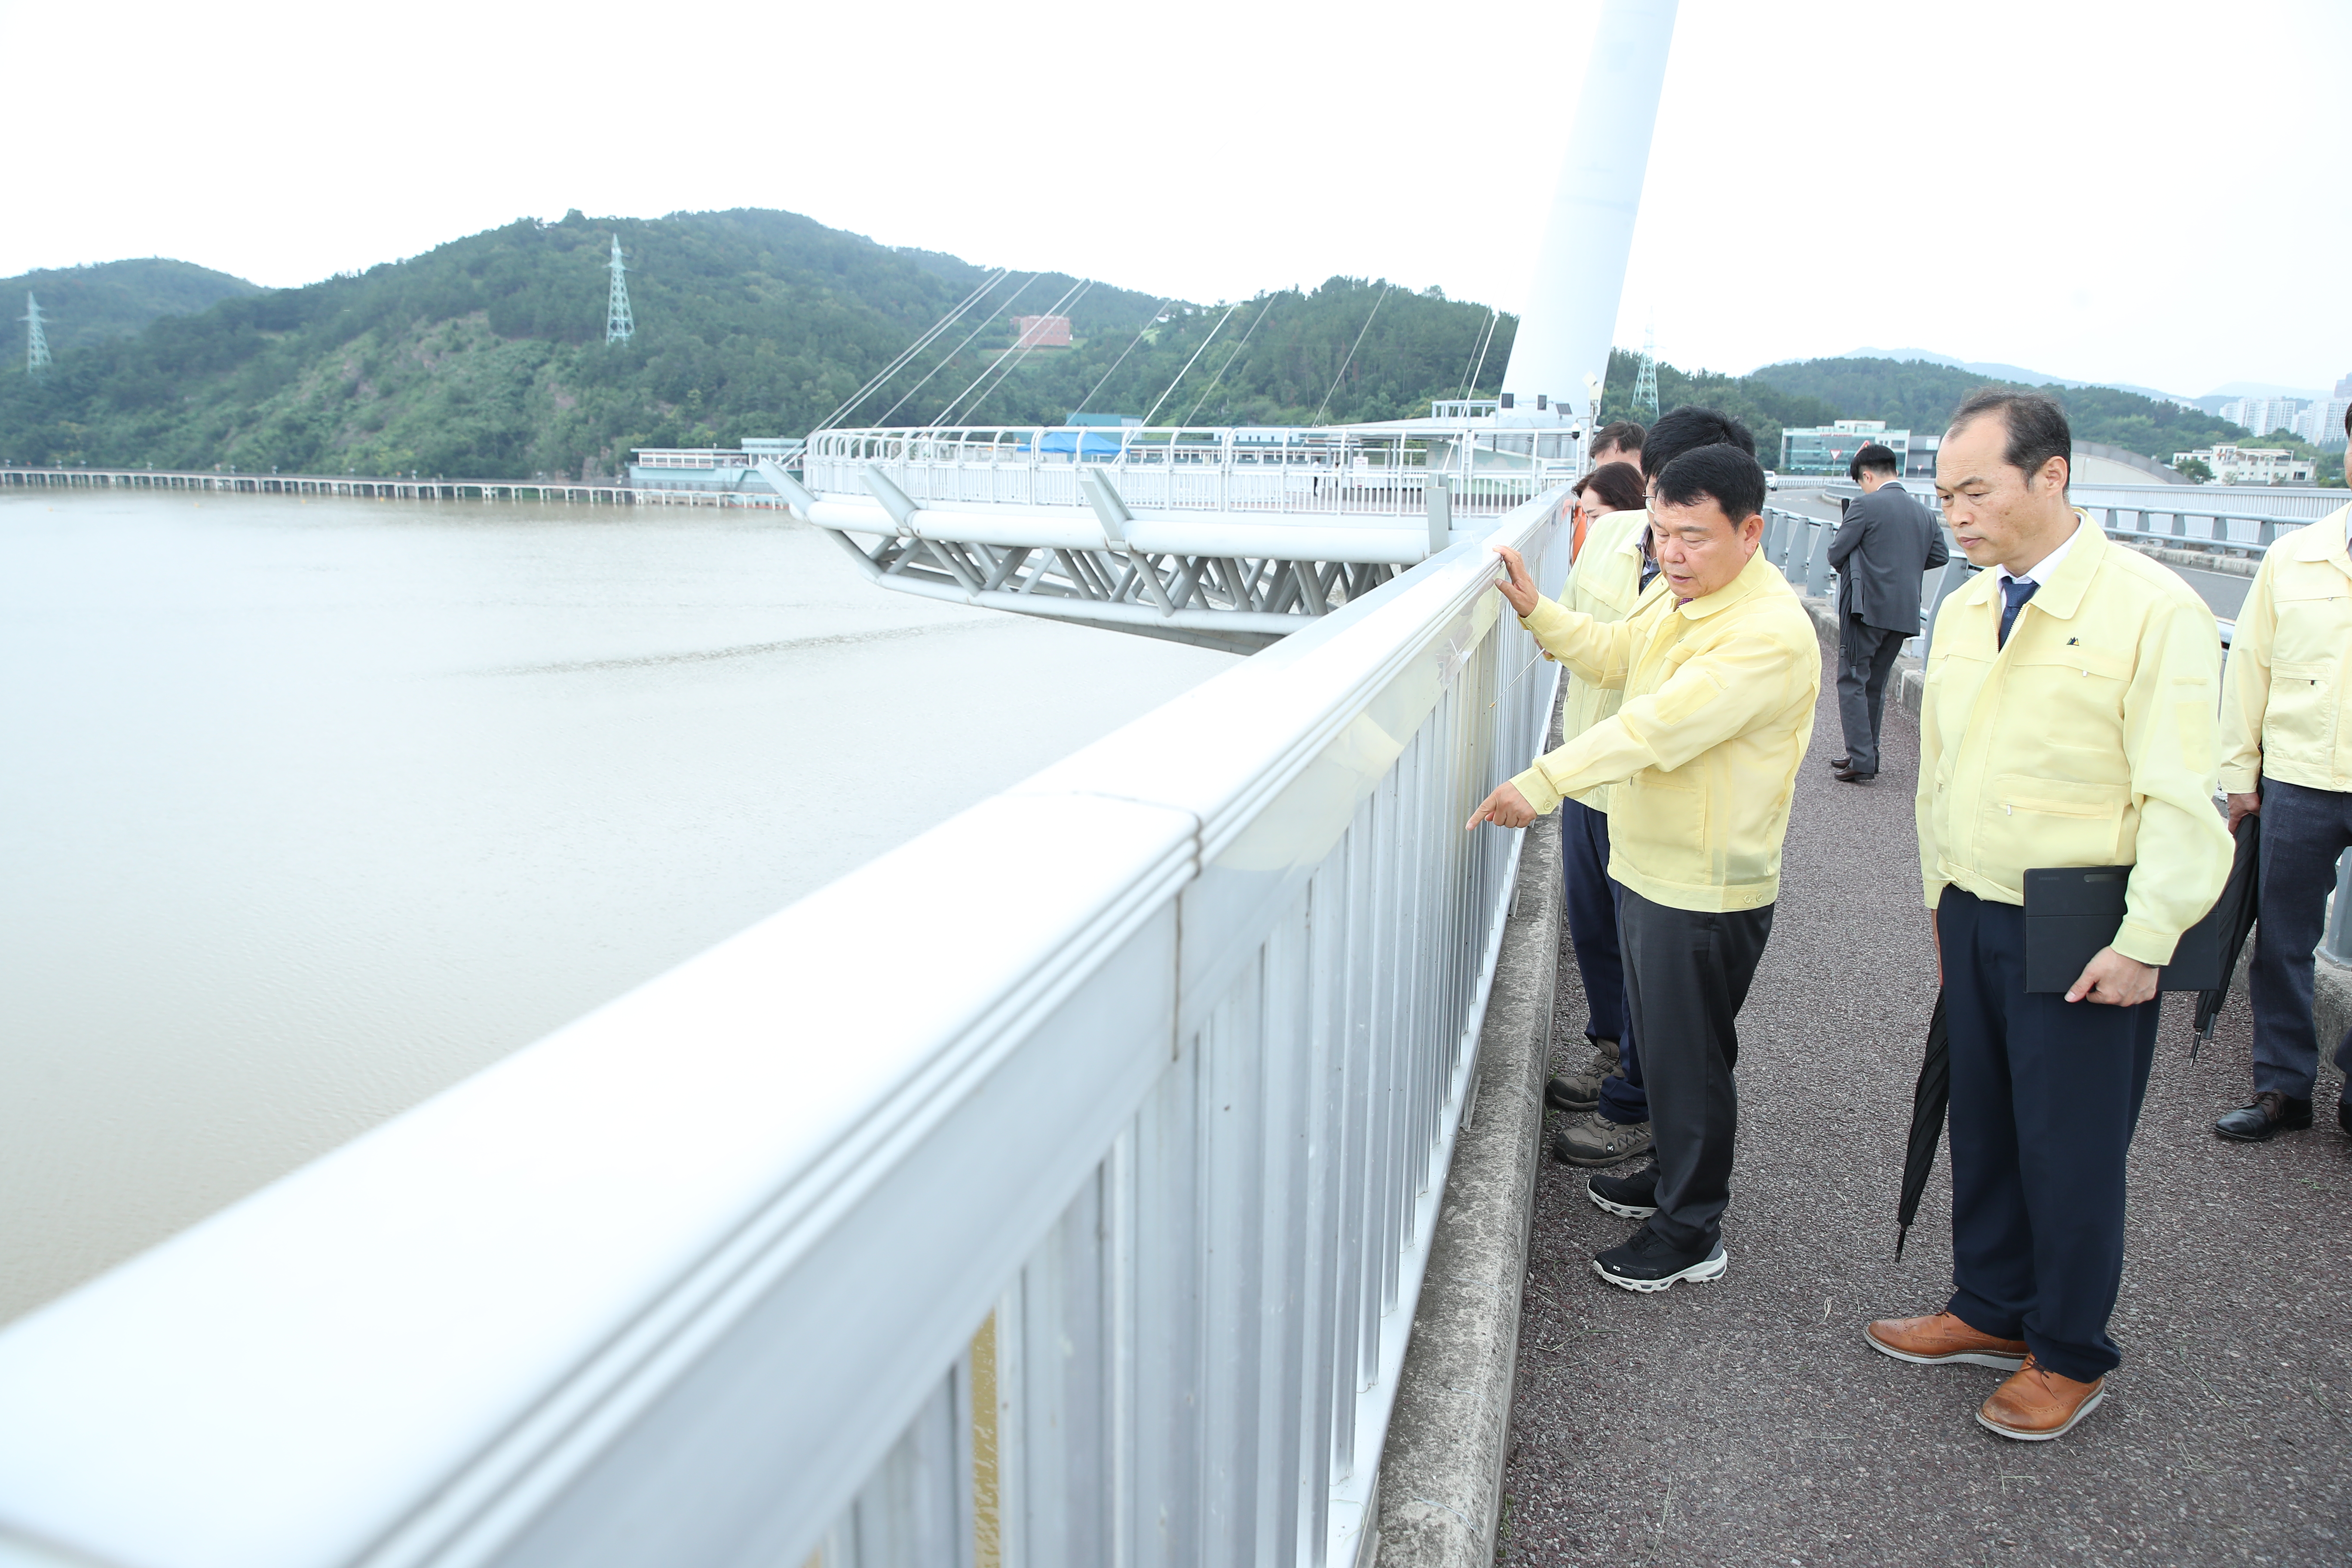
<point x="2343" y="1113"/>
<point x="1842" y="763"/>
<point x="1847" y="775"/>
<point x="2267" y="1114"/>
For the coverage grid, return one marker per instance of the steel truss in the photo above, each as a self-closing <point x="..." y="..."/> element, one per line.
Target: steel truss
<point x="1068" y="582"/>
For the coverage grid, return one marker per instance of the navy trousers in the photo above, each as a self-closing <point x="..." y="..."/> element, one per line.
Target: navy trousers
<point x="1594" y="905"/>
<point x="2304" y="830"/>
<point x="2045" y="1095"/>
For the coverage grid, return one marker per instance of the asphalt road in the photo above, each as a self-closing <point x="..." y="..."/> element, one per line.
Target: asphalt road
<point x="1746" y="1421"/>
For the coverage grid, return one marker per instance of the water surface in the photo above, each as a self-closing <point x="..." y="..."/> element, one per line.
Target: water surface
<point x="309" y="809"/>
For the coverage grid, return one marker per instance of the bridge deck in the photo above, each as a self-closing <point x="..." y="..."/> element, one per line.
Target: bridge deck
<point x="1747" y="1422"/>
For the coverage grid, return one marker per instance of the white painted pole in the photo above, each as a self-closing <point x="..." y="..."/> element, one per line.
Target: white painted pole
<point x="1580" y="273"/>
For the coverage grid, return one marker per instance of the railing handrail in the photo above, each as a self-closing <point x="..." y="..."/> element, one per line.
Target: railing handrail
<point x="699" y="1258"/>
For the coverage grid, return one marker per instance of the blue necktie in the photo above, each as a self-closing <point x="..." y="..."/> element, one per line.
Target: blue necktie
<point x="2014" y="591"/>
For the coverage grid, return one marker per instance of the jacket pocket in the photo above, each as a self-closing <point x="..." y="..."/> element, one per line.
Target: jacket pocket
<point x="2057" y="822"/>
<point x="2299" y="720"/>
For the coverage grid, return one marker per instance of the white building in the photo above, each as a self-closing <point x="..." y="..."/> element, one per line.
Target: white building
<point x="2264" y="414"/>
<point x="2250" y="465"/>
<point x="2322" y="424"/>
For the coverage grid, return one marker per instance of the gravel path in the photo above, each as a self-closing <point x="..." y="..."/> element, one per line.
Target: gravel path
<point x="1746" y="1421"/>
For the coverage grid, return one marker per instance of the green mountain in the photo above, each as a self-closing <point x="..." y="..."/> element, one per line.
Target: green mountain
<point x="1764" y="408"/>
<point x="1921" y="395"/>
<point x="486" y="357"/>
<point x="85" y="305"/>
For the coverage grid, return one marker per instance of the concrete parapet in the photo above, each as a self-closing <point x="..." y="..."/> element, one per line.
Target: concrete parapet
<point x="2331" y="1003"/>
<point x="1441" y="1485"/>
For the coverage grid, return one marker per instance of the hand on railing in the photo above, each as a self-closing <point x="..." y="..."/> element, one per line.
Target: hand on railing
<point x="1517" y="585"/>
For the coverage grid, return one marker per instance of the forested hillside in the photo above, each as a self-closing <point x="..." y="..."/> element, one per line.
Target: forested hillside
<point x="486" y="357"/>
<point x="85" y="305"/>
<point x="1761" y="406"/>
<point x="1918" y="395"/>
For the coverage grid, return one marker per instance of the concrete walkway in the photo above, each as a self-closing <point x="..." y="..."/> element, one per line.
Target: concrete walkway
<point x="1746" y="1421"/>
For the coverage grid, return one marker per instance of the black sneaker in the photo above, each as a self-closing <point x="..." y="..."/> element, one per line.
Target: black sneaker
<point x="1650" y="1262"/>
<point x="1634" y="1196"/>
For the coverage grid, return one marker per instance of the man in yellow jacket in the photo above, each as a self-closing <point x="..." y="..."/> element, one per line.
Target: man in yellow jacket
<point x="2068" y="721"/>
<point x="2286" y="753"/>
<point x="1720" y="672"/>
<point x="1612" y="571"/>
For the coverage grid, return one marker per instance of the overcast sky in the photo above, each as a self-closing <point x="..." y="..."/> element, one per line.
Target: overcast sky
<point x="2152" y="192"/>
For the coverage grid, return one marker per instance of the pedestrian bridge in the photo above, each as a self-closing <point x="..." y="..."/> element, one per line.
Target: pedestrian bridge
<point x="1057" y="1189"/>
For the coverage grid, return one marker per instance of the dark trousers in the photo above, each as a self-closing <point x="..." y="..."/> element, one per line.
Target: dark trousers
<point x="1686" y="973"/>
<point x="1866" y="656"/>
<point x="2304" y="830"/>
<point x="1593" y="903"/>
<point x="2045" y="1094"/>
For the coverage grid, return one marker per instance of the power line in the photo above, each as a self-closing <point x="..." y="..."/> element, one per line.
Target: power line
<point x="1351" y="355"/>
<point x="1187" y="363"/>
<point x="1220" y="376"/>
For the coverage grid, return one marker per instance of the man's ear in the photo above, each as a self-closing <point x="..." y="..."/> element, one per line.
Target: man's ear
<point x="1751" y="532"/>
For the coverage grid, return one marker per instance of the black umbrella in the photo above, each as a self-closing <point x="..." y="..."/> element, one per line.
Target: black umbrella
<point x="2240" y="897"/>
<point x="1928" y="1101"/>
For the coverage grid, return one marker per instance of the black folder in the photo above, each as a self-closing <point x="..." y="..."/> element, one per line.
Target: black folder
<point x="2073" y="912"/>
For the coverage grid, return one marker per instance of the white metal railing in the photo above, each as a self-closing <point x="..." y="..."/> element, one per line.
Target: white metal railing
<point x="1312" y="471"/>
<point x="1056" y="1190"/>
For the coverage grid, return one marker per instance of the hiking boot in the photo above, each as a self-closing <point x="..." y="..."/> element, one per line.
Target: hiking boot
<point x="2036" y="1405"/>
<point x="1595" y="1139"/>
<point x="1634" y="1196"/>
<point x="1941" y="1337"/>
<point x="1650" y="1262"/>
<point x="2268" y="1112"/>
<point x="1582" y="1092"/>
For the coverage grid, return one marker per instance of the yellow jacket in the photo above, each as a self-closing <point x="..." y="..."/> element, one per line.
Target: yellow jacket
<point x="1605" y="583"/>
<point x="1704" y="747"/>
<point x="2087" y="741"/>
<point x="2290" y="665"/>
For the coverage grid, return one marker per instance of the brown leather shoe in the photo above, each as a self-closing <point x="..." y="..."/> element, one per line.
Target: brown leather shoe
<point x="1932" y="1341"/>
<point x="1847" y="775"/>
<point x="2036" y="1405"/>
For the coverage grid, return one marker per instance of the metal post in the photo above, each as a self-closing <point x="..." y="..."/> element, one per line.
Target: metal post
<point x="1438" y="491"/>
<point x="1817" y="568"/>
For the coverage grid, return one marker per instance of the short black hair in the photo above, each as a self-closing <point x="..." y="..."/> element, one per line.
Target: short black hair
<point x="1624" y="434"/>
<point x="1878" y="459"/>
<point x="1616" y="484"/>
<point x="2037" y="426"/>
<point x="1731" y="479"/>
<point x="1678" y="430"/>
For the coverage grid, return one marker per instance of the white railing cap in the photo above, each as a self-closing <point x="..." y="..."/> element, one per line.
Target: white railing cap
<point x="281" y="1385"/>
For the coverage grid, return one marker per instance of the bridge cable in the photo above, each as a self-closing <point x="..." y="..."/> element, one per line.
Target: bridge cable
<point x="1478" y="342"/>
<point x="929" y="336"/>
<point x="1190" y="363"/>
<point x="951" y="353"/>
<point x="1220" y="376"/>
<point x="1016" y="352"/>
<point x="1487" y="343"/>
<point x="1351" y="355"/>
<point x="1149" y="323"/>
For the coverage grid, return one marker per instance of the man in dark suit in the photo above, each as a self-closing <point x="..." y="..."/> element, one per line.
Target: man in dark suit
<point x="1881" y="550"/>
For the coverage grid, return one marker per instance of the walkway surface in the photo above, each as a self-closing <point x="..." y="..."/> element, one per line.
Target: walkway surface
<point x="1746" y="1421"/>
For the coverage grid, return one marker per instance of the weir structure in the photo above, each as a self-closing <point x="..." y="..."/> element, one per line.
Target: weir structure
<point x="1057" y="1189"/>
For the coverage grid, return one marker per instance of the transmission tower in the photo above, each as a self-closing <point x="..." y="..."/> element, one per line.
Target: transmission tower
<point x="36" y="345"/>
<point x="620" y="325"/>
<point x="1645" y="383"/>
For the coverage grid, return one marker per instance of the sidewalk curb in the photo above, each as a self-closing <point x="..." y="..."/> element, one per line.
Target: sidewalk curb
<point x="1441" y="1483"/>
